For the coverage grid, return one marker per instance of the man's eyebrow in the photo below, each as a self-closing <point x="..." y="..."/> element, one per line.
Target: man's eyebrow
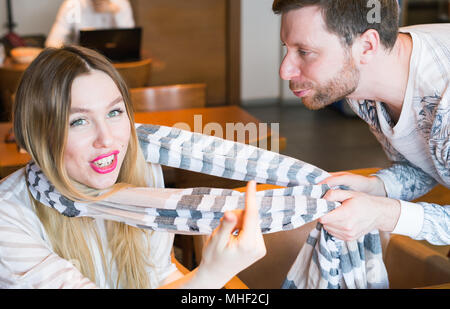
<point x="300" y="45"/>
<point x="74" y="110"/>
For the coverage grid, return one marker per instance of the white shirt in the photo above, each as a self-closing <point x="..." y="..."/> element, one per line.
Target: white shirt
<point x="418" y="143"/>
<point x="76" y="15"/>
<point x="27" y="259"/>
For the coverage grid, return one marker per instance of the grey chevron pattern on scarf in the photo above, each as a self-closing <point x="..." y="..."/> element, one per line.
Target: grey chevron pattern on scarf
<point x="323" y="262"/>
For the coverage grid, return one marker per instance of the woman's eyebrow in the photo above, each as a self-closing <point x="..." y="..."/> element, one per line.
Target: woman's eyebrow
<point x="74" y="110"/>
<point x="115" y="101"/>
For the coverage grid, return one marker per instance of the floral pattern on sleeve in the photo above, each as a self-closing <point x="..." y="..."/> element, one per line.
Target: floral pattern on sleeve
<point x="407" y="182"/>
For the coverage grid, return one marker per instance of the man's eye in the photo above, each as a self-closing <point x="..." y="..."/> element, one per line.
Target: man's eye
<point x="115" y="113"/>
<point x="302" y="52"/>
<point x="77" y="122"/>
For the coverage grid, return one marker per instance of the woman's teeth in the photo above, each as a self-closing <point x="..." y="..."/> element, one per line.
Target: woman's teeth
<point x="105" y="161"/>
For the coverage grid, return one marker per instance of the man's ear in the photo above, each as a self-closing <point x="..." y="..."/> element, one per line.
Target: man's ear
<point x="366" y="46"/>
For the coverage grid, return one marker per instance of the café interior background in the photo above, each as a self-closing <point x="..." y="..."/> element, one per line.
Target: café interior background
<point x="325" y="138"/>
<point x="260" y="43"/>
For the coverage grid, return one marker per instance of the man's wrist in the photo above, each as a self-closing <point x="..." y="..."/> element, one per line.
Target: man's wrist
<point x="377" y="187"/>
<point x="390" y="215"/>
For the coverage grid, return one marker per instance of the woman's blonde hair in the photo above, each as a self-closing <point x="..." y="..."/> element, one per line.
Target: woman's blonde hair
<point x="41" y="115"/>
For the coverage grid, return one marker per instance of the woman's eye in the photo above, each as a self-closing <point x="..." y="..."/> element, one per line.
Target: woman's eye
<point x="115" y="113"/>
<point x="77" y="122"/>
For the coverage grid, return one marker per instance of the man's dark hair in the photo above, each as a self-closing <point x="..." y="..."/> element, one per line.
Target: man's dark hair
<point x="349" y="18"/>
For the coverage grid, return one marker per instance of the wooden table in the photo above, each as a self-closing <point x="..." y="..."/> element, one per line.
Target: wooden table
<point x="11" y="159"/>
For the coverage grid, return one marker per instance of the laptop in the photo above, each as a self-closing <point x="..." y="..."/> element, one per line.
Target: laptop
<point x="119" y="45"/>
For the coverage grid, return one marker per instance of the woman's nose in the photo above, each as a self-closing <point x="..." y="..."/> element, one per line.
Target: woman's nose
<point x="104" y="136"/>
<point x="289" y="69"/>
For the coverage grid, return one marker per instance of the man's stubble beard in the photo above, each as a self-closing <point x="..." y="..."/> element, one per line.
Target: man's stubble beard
<point x="340" y="86"/>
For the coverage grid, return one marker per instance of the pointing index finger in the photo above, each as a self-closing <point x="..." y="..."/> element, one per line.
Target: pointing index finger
<point x="251" y="215"/>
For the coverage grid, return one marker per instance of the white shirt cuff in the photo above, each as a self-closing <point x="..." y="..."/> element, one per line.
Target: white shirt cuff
<point x="410" y="221"/>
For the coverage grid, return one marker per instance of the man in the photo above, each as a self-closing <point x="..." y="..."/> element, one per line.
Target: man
<point x="398" y="81"/>
<point x="75" y="15"/>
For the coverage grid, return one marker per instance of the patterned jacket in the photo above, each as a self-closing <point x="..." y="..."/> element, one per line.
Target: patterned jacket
<point x="428" y="96"/>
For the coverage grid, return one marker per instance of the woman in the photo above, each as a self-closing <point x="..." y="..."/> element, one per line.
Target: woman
<point x="74" y="117"/>
<point x="76" y="15"/>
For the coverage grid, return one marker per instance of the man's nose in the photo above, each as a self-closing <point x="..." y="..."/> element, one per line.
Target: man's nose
<point x="289" y="69"/>
<point x="104" y="137"/>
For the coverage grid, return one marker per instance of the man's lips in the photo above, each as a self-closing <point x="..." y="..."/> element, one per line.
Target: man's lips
<point x="301" y="93"/>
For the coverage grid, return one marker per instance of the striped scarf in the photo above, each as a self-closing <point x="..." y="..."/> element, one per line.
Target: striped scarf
<point x="323" y="262"/>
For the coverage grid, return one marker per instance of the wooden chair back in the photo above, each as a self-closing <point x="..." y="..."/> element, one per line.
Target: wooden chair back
<point x="158" y="98"/>
<point x="136" y="74"/>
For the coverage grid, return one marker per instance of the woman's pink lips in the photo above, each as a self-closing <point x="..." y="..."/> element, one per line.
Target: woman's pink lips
<point x="115" y="152"/>
<point x="301" y="93"/>
<point x="107" y="169"/>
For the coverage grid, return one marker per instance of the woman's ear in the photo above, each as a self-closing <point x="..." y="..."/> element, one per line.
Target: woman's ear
<point x="366" y="46"/>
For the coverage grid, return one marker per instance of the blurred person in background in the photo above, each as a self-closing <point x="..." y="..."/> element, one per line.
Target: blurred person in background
<point x="76" y="15"/>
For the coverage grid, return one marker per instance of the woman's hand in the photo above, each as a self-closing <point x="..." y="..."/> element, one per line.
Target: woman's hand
<point x="359" y="214"/>
<point x="226" y="254"/>
<point x="371" y="185"/>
